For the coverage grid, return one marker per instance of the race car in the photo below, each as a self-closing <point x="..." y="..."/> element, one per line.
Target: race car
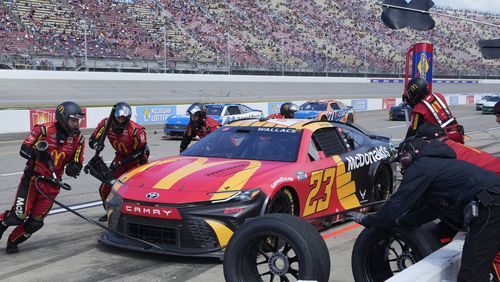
<point x="489" y="105"/>
<point x="397" y="112"/>
<point x="330" y="110"/>
<point x="480" y="102"/>
<point x="191" y="204"/>
<point x="176" y="125"/>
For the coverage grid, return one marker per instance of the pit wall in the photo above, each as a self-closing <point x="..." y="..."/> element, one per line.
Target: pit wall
<point x="17" y="121"/>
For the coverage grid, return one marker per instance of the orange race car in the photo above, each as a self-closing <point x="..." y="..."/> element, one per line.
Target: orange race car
<point x="330" y="110"/>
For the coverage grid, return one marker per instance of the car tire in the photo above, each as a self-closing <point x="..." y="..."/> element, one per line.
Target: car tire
<point x="382" y="184"/>
<point x="246" y="260"/>
<point x="283" y="202"/>
<point x="374" y="247"/>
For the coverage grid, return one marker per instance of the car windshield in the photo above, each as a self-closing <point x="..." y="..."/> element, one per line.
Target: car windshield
<point x="313" y="106"/>
<point x="493" y="99"/>
<point x="254" y="143"/>
<point x="214" y="110"/>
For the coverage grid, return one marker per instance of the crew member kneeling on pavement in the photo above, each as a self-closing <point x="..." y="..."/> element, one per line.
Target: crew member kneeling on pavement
<point x="128" y="138"/>
<point x="199" y="124"/>
<point x="431" y="107"/>
<point x="449" y="187"/>
<point x="65" y="150"/>
<point x="287" y="110"/>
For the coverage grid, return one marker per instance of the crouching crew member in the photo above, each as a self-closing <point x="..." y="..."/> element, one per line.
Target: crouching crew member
<point x="431" y="107"/>
<point x="65" y="150"/>
<point x="199" y="124"/>
<point x="287" y="110"/>
<point x="449" y="188"/>
<point x="128" y="139"/>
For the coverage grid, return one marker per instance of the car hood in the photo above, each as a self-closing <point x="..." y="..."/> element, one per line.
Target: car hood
<point x="180" y="180"/>
<point x="306" y="114"/>
<point x="490" y="103"/>
<point x="178" y="119"/>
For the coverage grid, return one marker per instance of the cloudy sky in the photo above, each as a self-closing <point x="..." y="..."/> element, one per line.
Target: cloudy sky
<point x="483" y="5"/>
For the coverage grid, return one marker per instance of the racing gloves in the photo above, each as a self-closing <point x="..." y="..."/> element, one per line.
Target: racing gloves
<point x="355" y="216"/>
<point x="73" y="169"/>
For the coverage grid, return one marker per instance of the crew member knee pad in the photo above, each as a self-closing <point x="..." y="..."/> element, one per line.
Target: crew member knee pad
<point x="32" y="225"/>
<point x="12" y="219"/>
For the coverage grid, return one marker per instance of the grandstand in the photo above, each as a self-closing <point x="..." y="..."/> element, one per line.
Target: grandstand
<point x="308" y="37"/>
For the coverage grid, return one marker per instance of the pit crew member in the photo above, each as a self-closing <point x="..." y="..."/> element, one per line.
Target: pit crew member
<point x="64" y="153"/>
<point x="451" y="188"/>
<point x="287" y="110"/>
<point x="431" y="107"/>
<point x="128" y="139"/>
<point x="199" y="124"/>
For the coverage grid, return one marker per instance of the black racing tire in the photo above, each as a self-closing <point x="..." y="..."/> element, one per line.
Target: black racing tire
<point x="350" y="119"/>
<point x="297" y="251"/>
<point x="382" y="183"/>
<point x="379" y="254"/>
<point x="283" y="202"/>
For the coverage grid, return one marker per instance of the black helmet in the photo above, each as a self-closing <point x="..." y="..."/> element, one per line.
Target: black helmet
<point x="416" y="89"/>
<point x="197" y="109"/>
<point x="288" y="109"/>
<point x="122" y="109"/>
<point x="64" y="112"/>
<point x="408" y="149"/>
<point x="496" y="108"/>
<point x="430" y="131"/>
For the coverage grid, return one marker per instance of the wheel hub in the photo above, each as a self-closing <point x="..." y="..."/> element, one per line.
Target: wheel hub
<point x="278" y="264"/>
<point x="405" y="260"/>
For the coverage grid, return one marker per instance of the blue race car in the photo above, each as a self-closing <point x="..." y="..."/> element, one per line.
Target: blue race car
<point x="223" y="113"/>
<point x="330" y="110"/>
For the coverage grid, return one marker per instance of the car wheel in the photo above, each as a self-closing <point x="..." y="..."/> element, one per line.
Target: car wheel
<point x="350" y="119"/>
<point x="296" y="251"/>
<point x="283" y="202"/>
<point x="379" y="254"/>
<point x="382" y="183"/>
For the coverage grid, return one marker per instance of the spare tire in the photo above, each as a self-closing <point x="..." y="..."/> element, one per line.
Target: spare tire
<point x="379" y="254"/>
<point x="276" y="247"/>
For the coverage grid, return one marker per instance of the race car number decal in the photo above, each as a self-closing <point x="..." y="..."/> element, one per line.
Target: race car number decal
<point x="319" y="179"/>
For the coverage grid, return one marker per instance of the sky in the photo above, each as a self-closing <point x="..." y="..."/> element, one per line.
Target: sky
<point x="482" y="5"/>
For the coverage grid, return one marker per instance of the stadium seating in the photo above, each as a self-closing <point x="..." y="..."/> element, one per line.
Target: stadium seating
<point x="318" y="35"/>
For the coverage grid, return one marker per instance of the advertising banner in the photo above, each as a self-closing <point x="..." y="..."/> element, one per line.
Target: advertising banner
<point x="39" y="116"/>
<point x="154" y="114"/>
<point x="387" y="103"/>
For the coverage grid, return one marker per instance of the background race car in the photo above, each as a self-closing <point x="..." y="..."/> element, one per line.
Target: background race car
<point x="397" y="112"/>
<point x="191" y="204"/>
<point x="223" y="113"/>
<point x="480" y="102"/>
<point x="489" y="105"/>
<point x="326" y="110"/>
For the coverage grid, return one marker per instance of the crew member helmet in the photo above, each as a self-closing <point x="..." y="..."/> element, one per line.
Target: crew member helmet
<point x="67" y="111"/>
<point x="429" y="131"/>
<point x="416" y="89"/>
<point x="288" y="109"/>
<point x="196" y="109"/>
<point x="123" y="113"/>
<point x="408" y="149"/>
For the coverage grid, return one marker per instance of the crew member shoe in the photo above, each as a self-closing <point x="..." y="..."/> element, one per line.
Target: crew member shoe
<point x="11" y="248"/>
<point x="103" y="218"/>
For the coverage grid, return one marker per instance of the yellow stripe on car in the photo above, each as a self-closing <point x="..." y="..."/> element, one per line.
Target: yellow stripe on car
<point x="346" y="187"/>
<point x="237" y="181"/>
<point x="222" y="232"/>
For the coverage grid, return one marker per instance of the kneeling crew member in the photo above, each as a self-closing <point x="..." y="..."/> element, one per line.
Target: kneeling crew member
<point x="433" y="175"/>
<point x="199" y="124"/>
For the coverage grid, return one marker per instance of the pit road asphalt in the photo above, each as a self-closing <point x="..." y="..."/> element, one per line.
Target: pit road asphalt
<point x="66" y="248"/>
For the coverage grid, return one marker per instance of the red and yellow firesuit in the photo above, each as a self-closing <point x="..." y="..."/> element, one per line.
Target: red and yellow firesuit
<point x="30" y="207"/>
<point x="130" y="147"/>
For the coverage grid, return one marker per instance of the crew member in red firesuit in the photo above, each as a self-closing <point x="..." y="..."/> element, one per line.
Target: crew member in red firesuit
<point x="431" y="107"/>
<point x="128" y="138"/>
<point x="199" y="124"/>
<point x="65" y="151"/>
<point x="287" y="110"/>
<point x="430" y="131"/>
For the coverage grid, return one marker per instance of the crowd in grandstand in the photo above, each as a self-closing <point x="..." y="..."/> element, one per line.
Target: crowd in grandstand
<point x="317" y="34"/>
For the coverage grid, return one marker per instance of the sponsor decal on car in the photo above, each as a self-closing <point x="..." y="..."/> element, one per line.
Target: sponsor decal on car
<point x="233" y="210"/>
<point x="148" y="211"/>
<point x="277" y="130"/>
<point x="359" y="160"/>
<point x="281" y="180"/>
<point x="301" y="175"/>
<point x="152" y="195"/>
